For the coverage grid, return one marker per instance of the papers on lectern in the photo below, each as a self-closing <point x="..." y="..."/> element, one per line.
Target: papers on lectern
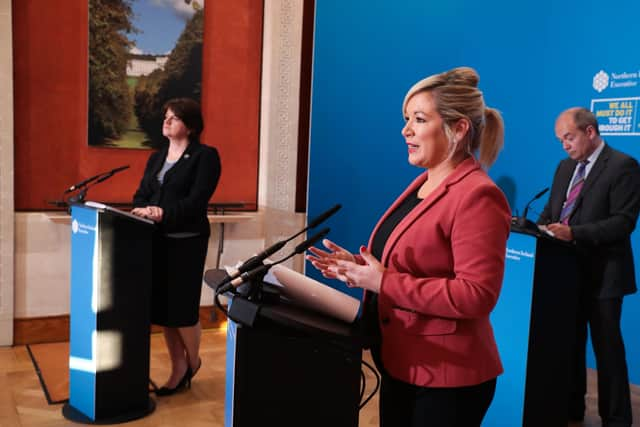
<point x="98" y="205"/>
<point x="315" y="295"/>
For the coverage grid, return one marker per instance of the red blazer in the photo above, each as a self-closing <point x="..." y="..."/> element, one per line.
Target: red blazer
<point x="445" y="263"/>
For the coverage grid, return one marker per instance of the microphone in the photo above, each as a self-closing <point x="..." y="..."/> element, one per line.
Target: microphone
<point x="93" y="178"/>
<point x="317" y="220"/>
<point x="247" y="276"/>
<point x="302" y="247"/>
<point x="322" y="217"/>
<point x="111" y="173"/>
<point x="256" y="260"/>
<point x="522" y="220"/>
<point x="81" y="184"/>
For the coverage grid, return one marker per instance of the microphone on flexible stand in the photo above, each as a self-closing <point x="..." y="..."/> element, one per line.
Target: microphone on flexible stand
<point x="261" y="270"/>
<point x="111" y="173"/>
<point x="102" y="176"/>
<point x="522" y="220"/>
<point x="245" y="310"/>
<point x="83" y="186"/>
<point x="77" y="198"/>
<point x="256" y="260"/>
<point x="82" y="183"/>
<point x="320" y="219"/>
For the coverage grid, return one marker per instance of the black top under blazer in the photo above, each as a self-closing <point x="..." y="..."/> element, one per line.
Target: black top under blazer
<point x="185" y="191"/>
<point x="602" y="220"/>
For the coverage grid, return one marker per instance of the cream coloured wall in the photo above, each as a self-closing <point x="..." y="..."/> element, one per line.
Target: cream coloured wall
<point x="281" y="52"/>
<point x="42" y="263"/>
<point x="6" y="176"/>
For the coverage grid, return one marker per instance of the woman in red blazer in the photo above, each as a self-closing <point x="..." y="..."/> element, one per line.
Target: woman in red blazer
<point x="433" y="268"/>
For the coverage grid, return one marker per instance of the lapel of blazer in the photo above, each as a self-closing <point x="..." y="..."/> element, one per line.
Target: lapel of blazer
<point x="596" y="170"/>
<point x="184" y="159"/>
<point x="462" y="170"/>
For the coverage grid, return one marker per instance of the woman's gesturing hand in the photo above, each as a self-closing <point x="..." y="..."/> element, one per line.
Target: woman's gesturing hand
<point x="363" y="271"/>
<point x="322" y="260"/>
<point x="366" y="275"/>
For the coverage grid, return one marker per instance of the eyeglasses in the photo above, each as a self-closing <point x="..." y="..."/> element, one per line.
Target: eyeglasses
<point x="170" y="119"/>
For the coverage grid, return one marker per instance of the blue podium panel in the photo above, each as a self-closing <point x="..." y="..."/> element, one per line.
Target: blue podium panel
<point x="534" y="326"/>
<point x="83" y="321"/>
<point x="111" y="270"/>
<point x="229" y="392"/>
<point x="511" y="319"/>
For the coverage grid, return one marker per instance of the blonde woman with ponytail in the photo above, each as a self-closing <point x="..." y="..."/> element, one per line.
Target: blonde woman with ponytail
<point x="433" y="267"/>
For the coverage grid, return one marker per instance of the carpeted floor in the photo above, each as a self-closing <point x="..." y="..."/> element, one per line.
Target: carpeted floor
<point x="51" y="361"/>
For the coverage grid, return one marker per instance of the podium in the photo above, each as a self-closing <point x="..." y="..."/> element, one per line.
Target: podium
<point x="291" y="367"/>
<point x="109" y="321"/>
<point x="534" y="325"/>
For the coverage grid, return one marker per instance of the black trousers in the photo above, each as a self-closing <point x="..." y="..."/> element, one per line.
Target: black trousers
<point x="614" y="402"/>
<point x="408" y="405"/>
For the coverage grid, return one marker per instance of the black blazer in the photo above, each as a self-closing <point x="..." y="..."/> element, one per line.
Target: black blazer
<point x="604" y="216"/>
<point x="186" y="189"/>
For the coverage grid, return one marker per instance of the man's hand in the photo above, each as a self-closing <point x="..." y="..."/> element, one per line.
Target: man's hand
<point x="561" y="231"/>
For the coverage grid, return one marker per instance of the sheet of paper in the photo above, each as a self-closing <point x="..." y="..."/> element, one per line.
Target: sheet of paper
<point x="315" y="295"/>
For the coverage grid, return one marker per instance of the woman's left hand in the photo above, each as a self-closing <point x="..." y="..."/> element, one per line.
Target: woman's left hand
<point x="154" y="213"/>
<point x="367" y="276"/>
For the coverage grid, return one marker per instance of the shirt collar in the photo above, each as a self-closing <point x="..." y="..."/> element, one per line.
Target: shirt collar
<point x="594" y="156"/>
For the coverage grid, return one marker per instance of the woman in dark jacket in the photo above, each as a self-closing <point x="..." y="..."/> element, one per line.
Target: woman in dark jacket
<point x="174" y="192"/>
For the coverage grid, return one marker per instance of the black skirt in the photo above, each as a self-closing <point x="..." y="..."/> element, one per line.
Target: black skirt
<point x="178" y="265"/>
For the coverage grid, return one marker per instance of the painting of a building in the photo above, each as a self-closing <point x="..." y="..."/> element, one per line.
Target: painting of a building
<point x="144" y="64"/>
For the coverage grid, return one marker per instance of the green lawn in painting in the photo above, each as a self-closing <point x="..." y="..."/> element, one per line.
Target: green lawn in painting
<point x="134" y="137"/>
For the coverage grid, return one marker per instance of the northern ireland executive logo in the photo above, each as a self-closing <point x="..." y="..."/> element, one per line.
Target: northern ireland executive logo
<point x="600" y="81"/>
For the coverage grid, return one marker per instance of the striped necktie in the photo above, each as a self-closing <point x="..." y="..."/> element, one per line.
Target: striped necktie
<point x="576" y="187"/>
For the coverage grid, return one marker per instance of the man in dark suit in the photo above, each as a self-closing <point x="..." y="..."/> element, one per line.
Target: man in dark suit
<point x="594" y="203"/>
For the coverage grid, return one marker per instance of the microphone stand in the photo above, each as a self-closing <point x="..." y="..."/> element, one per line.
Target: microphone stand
<point x="244" y="310"/>
<point x="78" y="197"/>
<point x="258" y="259"/>
<point x="84" y="186"/>
<point x="526" y="224"/>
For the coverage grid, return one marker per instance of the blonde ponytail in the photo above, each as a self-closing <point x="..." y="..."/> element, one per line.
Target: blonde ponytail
<point x="491" y="137"/>
<point x="457" y="96"/>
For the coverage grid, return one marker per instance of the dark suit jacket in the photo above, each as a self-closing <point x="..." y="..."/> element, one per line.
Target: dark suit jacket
<point x="186" y="190"/>
<point x="604" y="216"/>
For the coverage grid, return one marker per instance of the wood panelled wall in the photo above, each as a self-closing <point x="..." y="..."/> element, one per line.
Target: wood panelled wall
<point x="50" y="48"/>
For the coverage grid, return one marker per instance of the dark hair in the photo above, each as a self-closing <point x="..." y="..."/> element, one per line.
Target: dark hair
<point x="584" y="118"/>
<point x="187" y="110"/>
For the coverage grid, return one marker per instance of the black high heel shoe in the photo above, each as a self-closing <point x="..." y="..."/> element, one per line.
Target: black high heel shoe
<point x="185" y="382"/>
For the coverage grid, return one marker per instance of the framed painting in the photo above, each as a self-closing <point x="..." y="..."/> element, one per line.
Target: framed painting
<point x="141" y="54"/>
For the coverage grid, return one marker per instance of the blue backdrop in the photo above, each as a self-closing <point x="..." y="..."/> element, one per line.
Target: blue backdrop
<point x="534" y="61"/>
